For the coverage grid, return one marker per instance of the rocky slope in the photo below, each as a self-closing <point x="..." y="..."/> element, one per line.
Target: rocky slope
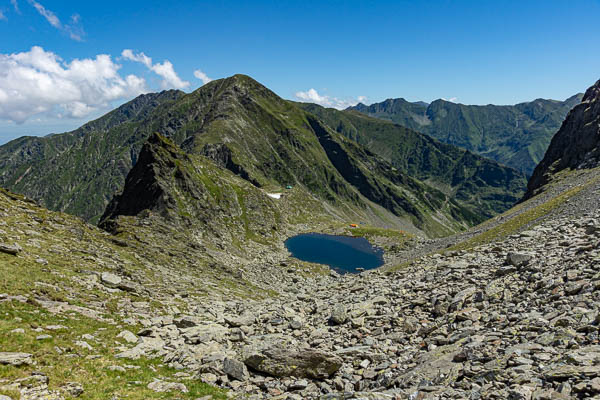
<point x="516" y="135"/>
<point x="191" y="297"/>
<point x="243" y="127"/>
<point x="484" y="186"/>
<point x="576" y="145"/>
<point x="144" y="314"/>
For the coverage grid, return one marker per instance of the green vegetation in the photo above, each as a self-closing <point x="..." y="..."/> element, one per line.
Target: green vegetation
<point x="482" y="186"/>
<point x="517" y="135"/>
<point x="373" y="232"/>
<point x="243" y="127"/>
<point x="75" y="366"/>
<point x="517" y="219"/>
<point x="63" y="257"/>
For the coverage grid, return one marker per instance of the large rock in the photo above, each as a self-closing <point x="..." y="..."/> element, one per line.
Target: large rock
<point x="235" y="369"/>
<point x="279" y="360"/>
<point x="15" y="359"/>
<point x="518" y="259"/>
<point x="110" y="280"/>
<point x="10" y="249"/>
<point x="339" y="315"/>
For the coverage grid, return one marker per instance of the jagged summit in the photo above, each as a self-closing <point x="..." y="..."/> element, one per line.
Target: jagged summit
<point x="575" y="145"/>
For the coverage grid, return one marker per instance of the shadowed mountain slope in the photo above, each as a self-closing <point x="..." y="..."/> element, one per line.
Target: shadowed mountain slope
<point x="486" y="187"/>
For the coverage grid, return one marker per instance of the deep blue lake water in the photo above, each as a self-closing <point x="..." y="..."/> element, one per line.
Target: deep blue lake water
<point x="342" y="253"/>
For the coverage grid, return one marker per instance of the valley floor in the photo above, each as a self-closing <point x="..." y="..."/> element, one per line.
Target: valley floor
<point x="509" y="310"/>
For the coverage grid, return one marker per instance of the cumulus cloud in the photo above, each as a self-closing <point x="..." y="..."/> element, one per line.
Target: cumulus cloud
<point x="202" y="76"/>
<point x="74" y="29"/>
<point x="165" y="70"/>
<point x="40" y="82"/>
<point x="312" y="96"/>
<point x="2" y="16"/>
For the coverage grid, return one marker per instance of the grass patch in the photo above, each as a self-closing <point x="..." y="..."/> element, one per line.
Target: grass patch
<point x="514" y="224"/>
<point x="63" y="361"/>
<point x="372" y="232"/>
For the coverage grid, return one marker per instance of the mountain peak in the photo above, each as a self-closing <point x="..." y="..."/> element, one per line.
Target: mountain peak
<point x="592" y="94"/>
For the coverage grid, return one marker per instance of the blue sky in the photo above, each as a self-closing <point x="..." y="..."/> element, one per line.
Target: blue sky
<point x="474" y="52"/>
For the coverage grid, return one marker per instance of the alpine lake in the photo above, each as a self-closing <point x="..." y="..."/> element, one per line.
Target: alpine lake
<point x="344" y="254"/>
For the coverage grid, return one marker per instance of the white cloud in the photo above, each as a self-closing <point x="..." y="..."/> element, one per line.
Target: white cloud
<point x="15" y="5"/>
<point x="164" y="70"/>
<point x="451" y="99"/>
<point x="49" y="15"/>
<point x="202" y="76"/>
<point x="2" y="16"/>
<point x="312" y="96"/>
<point x="39" y="82"/>
<point x="74" y="29"/>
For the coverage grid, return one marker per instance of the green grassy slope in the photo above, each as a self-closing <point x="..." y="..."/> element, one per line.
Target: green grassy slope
<point x="480" y="184"/>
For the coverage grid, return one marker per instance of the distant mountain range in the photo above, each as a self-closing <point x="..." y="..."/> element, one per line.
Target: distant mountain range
<point x="513" y="135"/>
<point x="237" y="124"/>
<point x="483" y="185"/>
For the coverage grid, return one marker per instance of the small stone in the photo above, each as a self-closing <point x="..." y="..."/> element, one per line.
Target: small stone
<point x="55" y="327"/>
<point x="163" y="386"/>
<point x="299" y="385"/>
<point x="518" y="259"/>
<point x="83" y="344"/>
<point x="468" y="314"/>
<point x="128" y="336"/>
<point x="73" y="388"/>
<point x="43" y="337"/>
<point x="209" y="378"/>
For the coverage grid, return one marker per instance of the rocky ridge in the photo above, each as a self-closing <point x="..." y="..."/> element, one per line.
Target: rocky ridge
<point x="576" y="145"/>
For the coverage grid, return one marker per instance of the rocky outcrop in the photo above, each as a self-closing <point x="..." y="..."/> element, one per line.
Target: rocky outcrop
<point x="576" y="145"/>
<point x="190" y="192"/>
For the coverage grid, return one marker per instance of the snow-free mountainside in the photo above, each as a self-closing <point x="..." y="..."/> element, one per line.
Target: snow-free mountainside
<point x="185" y="289"/>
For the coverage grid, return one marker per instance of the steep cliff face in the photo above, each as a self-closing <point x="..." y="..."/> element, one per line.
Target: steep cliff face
<point x="576" y="145"/>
